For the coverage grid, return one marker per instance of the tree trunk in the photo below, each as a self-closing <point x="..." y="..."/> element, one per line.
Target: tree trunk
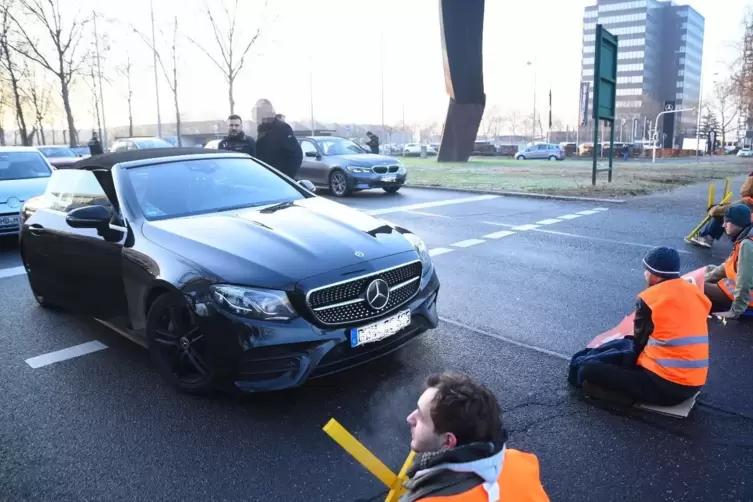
<point x="130" y="115"/>
<point x="230" y="86"/>
<point x="20" y="119"/>
<point x="177" y="108"/>
<point x="72" y="135"/>
<point x="41" y="132"/>
<point x="2" y="136"/>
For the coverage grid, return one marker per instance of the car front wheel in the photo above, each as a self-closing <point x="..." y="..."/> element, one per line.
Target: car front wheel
<point x="520" y="157"/>
<point x="391" y="189"/>
<point x="338" y="184"/>
<point x="552" y="157"/>
<point x="177" y="346"/>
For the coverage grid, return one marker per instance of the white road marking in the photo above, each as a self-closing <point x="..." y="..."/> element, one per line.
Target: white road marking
<point x="499" y="235"/>
<point x="468" y="243"/>
<point x="525" y="227"/>
<point x="569" y="216"/>
<point x="10" y="272"/>
<point x="611" y="241"/>
<point x="439" y="251"/>
<point x="436" y="203"/>
<point x="589" y="211"/>
<point x="551" y="221"/>
<point x="499" y="224"/>
<point x="601" y="209"/>
<point x="427" y="214"/>
<point x="65" y="354"/>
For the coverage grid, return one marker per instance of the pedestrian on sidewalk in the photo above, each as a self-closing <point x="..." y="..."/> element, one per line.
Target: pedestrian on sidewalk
<point x="460" y="444"/>
<point x="714" y="229"/>
<point x="730" y="284"/>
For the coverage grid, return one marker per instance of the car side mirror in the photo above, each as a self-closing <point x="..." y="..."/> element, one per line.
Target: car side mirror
<point x="307" y="185"/>
<point x="89" y="217"/>
<point x="312" y="154"/>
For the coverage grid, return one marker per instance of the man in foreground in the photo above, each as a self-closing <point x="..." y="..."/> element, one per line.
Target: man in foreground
<point x="237" y="140"/>
<point x="276" y="143"/>
<point x="666" y="360"/>
<point x="729" y="285"/>
<point x="459" y="440"/>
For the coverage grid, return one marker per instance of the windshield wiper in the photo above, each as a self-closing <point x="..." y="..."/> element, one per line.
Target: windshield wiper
<point x="279" y="205"/>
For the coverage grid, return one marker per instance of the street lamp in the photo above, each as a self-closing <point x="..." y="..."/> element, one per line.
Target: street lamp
<point x="698" y="124"/>
<point x="656" y="125"/>
<point x="533" y="119"/>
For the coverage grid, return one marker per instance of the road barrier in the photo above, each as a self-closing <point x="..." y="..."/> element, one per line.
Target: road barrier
<point x="367" y="459"/>
<point x="710" y="204"/>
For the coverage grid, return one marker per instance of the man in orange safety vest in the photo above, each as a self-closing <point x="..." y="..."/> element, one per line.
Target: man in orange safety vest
<point x="461" y="454"/>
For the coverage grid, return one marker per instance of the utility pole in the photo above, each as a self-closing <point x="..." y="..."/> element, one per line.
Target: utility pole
<point x="311" y="93"/>
<point x="533" y="119"/>
<point x="104" y="137"/>
<point x="381" y="64"/>
<point x="156" y="76"/>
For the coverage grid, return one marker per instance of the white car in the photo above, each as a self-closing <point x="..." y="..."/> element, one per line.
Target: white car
<point x="24" y="173"/>
<point x="415" y="149"/>
<point x="745" y="152"/>
<point x="213" y="145"/>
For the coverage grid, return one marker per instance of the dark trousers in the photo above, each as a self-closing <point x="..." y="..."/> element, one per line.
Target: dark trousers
<point x="636" y="383"/>
<point x="720" y="302"/>
<point x="713" y="229"/>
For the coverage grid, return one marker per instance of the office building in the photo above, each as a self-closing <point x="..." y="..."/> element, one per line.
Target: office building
<point x="660" y="49"/>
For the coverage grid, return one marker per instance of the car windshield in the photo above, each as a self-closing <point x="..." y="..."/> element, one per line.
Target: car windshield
<point x="339" y="146"/>
<point x="192" y="187"/>
<point x="81" y="150"/>
<point x="152" y="143"/>
<point x="57" y="152"/>
<point x="22" y="166"/>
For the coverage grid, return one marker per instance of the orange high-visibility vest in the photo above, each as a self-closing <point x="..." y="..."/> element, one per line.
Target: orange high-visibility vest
<point x="518" y="482"/>
<point x="729" y="283"/>
<point x="678" y="349"/>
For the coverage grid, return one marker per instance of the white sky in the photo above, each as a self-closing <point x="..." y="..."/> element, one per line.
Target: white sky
<point x="342" y="38"/>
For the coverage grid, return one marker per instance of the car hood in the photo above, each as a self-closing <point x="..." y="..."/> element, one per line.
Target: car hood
<point x="22" y="189"/>
<point x="278" y="249"/>
<point x="365" y="160"/>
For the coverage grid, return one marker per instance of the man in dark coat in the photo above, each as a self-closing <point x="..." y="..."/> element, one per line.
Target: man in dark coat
<point x="236" y="140"/>
<point x="95" y="147"/>
<point x="276" y="143"/>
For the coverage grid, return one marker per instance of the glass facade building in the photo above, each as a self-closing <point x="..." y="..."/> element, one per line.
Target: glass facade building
<point x="660" y="48"/>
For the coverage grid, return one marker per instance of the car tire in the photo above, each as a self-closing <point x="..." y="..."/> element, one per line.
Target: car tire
<point x="552" y="157"/>
<point x="338" y="184"/>
<point x="177" y="346"/>
<point x="391" y="189"/>
<point x="521" y="157"/>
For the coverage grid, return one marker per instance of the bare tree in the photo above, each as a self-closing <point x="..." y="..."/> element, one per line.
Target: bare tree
<point x="725" y="104"/>
<point x="232" y="51"/>
<point x="3" y="104"/>
<point x="90" y="78"/>
<point x="39" y="94"/>
<point x="66" y="63"/>
<point x="125" y="71"/>
<point x="492" y="122"/>
<point x="12" y="71"/>
<point x="514" y="121"/>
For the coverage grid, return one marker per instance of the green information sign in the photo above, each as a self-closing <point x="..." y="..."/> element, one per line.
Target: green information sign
<point x="605" y="93"/>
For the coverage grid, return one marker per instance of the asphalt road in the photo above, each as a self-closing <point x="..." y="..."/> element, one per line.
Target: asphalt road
<point x="525" y="283"/>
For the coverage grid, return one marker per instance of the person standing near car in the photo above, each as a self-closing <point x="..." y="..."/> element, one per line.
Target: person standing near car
<point x="373" y="142"/>
<point x="276" y="143"/>
<point x="237" y="140"/>
<point x="95" y="146"/>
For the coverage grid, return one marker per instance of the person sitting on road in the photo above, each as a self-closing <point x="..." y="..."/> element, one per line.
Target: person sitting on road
<point x="729" y="285"/>
<point x="670" y="350"/>
<point x="459" y="440"/>
<point x="714" y="229"/>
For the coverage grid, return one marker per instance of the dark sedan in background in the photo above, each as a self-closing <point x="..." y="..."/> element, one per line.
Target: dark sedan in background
<point x="228" y="271"/>
<point x="344" y="167"/>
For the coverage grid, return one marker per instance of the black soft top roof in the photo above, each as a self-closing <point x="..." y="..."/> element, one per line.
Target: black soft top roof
<point x="108" y="160"/>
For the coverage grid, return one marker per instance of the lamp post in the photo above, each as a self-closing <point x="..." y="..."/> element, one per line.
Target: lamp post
<point x="656" y="127"/>
<point x="533" y="118"/>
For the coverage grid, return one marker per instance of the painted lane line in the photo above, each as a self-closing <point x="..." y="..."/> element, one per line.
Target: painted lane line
<point x="11" y="272"/>
<point x="65" y="354"/>
<point x="436" y="203"/>
<point x="499" y="235"/>
<point x="569" y="216"/>
<point x="601" y="209"/>
<point x="499" y="224"/>
<point x="551" y="221"/>
<point x="468" y="243"/>
<point x="525" y="227"/>
<point x="421" y="213"/>
<point x="600" y="239"/>
<point x="589" y="211"/>
<point x="439" y="251"/>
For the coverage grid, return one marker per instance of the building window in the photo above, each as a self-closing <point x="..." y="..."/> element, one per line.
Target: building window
<point x="629" y="92"/>
<point x="627" y="18"/>
<point x="589" y="38"/>
<point x="633" y="79"/>
<point x="633" y="42"/>
<point x="630" y="55"/>
<point x="588" y="61"/>
<point x="591" y="13"/>
<point x="629" y="67"/>
<point x="589" y="26"/>
<point x="589" y="49"/>
<point x="622" y="6"/>
<point x="588" y="72"/>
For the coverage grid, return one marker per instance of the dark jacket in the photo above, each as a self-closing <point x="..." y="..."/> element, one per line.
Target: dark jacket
<point x="277" y="146"/>
<point x="241" y="144"/>
<point x="619" y="352"/>
<point x="373" y="143"/>
<point x="95" y="147"/>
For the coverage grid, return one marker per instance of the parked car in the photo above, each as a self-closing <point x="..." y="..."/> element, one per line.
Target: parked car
<point x="414" y="150"/>
<point x="541" y="151"/>
<point x="61" y="157"/>
<point x="344" y="167"/>
<point x="82" y="151"/>
<point x="123" y="144"/>
<point x="484" y="148"/>
<point x="228" y="272"/>
<point x="213" y="144"/>
<point x="24" y="173"/>
<point x="745" y="152"/>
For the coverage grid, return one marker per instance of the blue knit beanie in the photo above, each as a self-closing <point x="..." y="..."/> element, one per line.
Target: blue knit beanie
<point x="739" y="215"/>
<point x="663" y="262"/>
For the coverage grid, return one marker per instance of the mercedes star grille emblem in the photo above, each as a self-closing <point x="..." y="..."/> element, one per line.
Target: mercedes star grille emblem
<point x="378" y="294"/>
<point x="359" y="254"/>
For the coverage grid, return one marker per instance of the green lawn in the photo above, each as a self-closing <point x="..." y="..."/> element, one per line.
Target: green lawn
<point x="571" y="177"/>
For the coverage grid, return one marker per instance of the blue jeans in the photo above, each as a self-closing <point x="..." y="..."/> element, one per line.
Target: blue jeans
<point x="714" y="229"/>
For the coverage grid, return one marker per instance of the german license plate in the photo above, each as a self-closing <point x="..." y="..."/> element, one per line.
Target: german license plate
<point x="9" y="221"/>
<point x="389" y="178"/>
<point x="380" y="330"/>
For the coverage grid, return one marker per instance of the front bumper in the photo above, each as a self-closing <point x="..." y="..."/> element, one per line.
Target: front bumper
<point x="366" y="181"/>
<point x="259" y="356"/>
<point x="10" y="224"/>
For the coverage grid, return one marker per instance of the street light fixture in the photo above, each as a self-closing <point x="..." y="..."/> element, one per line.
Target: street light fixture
<point x="533" y="119"/>
<point x="656" y="126"/>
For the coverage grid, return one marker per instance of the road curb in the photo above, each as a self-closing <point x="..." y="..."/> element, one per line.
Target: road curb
<point x="530" y="195"/>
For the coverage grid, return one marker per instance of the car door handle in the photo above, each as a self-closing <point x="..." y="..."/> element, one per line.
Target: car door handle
<point x="36" y="229"/>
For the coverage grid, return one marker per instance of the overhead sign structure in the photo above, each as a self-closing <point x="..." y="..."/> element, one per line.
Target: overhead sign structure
<point x="605" y="93"/>
<point x="668" y="125"/>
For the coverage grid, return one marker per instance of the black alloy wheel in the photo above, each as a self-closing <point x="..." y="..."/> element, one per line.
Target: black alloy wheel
<point x="177" y="345"/>
<point x="338" y="184"/>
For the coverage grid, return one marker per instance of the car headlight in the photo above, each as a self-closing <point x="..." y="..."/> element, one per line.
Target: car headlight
<point x="401" y="169"/>
<point x="262" y="304"/>
<point x="423" y="252"/>
<point x="358" y="169"/>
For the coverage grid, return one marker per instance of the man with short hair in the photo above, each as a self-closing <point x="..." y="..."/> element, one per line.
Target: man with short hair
<point x="237" y="140"/>
<point x="373" y="142"/>
<point x="459" y="440"/>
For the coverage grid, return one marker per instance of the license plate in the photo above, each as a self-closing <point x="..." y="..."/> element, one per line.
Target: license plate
<point x="380" y="330"/>
<point x="389" y="178"/>
<point x="7" y="221"/>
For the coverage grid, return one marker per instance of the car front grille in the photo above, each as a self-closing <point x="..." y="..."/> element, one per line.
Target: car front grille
<point x="386" y="169"/>
<point x="345" y="302"/>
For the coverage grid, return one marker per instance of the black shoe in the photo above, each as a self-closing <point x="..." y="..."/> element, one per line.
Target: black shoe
<point x="596" y="392"/>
